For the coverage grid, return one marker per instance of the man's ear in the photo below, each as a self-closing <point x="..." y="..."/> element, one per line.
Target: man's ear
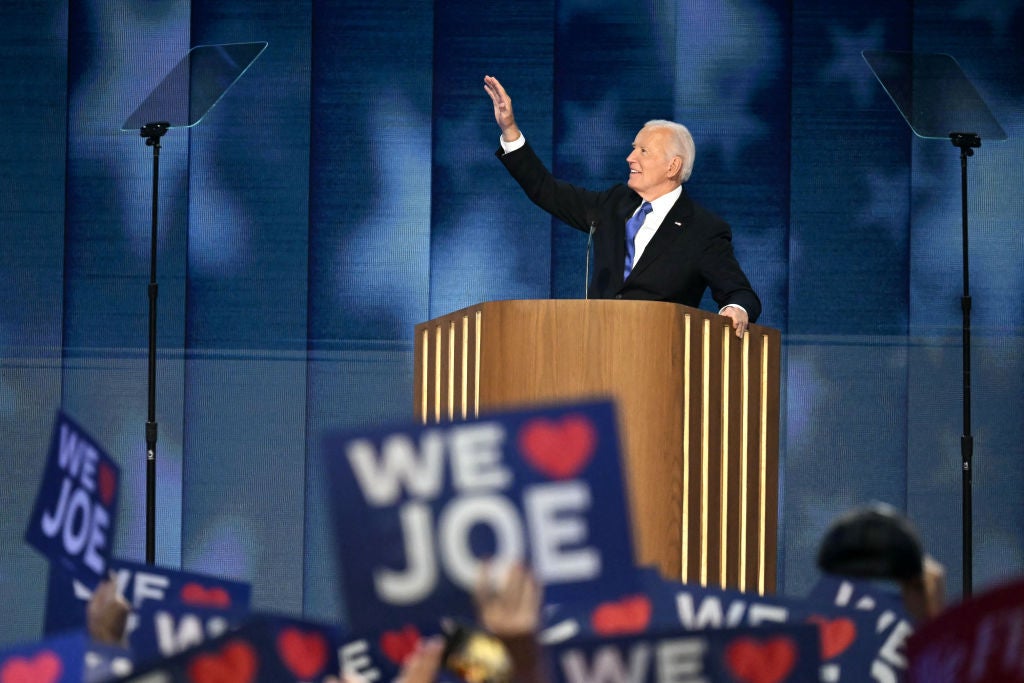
<point x="675" y="166"/>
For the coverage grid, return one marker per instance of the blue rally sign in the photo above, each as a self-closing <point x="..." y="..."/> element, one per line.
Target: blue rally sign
<point x="849" y="642"/>
<point x="784" y="653"/>
<point x="264" y="649"/>
<point x="418" y="510"/>
<point x="73" y="519"/>
<point x="884" y="608"/>
<point x="142" y="585"/>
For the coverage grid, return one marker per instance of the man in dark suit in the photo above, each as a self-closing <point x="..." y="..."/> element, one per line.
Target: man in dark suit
<point x="651" y="241"/>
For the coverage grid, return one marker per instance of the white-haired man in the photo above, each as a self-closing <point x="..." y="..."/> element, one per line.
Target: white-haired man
<point x="651" y="241"/>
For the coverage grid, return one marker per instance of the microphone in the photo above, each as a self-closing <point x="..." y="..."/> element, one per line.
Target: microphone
<point x="586" y="273"/>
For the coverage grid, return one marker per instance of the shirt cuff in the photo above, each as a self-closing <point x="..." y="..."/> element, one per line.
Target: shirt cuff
<point x="733" y="306"/>
<point x="514" y="145"/>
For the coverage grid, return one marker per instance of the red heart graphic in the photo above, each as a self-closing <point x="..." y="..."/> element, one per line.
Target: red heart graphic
<point x="836" y="635"/>
<point x="45" y="667"/>
<point x="397" y="645"/>
<point x="627" y="616"/>
<point x="107" y="483"/>
<point x="752" y="661"/>
<point x="559" y="450"/>
<point x="195" y="594"/>
<point x="305" y="654"/>
<point x="236" y="663"/>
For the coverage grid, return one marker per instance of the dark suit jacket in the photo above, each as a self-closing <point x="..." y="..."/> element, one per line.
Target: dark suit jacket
<point x="691" y="251"/>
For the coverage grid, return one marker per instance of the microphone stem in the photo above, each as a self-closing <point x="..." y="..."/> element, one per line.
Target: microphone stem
<point x="586" y="274"/>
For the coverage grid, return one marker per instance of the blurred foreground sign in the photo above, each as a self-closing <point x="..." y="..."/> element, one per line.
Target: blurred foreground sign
<point x="980" y="640"/>
<point x="418" y="509"/>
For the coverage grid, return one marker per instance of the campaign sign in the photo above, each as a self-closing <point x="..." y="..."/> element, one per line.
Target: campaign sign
<point x="848" y="639"/>
<point x="265" y="649"/>
<point x="417" y="510"/>
<point x="58" y="659"/>
<point x="163" y="629"/>
<point x="782" y="653"/>
<point x="885" y="609"/>
<point x="72" y="522"/>
<point x="980" y="639"/>
<point x="141" y="584"/>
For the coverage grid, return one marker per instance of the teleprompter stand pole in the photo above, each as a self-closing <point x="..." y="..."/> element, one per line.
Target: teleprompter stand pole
<point x="938" y="100"/>
<point x="184" y="96"/>
<point x="152" y="132"/>
<point x="966" y="142"/>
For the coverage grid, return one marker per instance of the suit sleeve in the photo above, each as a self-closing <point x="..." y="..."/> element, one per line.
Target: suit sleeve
<point x="572" y="205"/>
<point x="722" y="272"/>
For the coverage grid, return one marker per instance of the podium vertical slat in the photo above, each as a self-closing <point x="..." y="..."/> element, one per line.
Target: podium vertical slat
<point x="749" y="557"/>
<point x="690" y="526"/>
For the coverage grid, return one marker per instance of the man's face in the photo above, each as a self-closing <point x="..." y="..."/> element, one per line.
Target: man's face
<point x="651" y="167"/>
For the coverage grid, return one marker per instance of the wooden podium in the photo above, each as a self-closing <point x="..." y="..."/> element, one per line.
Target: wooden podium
<point x="698" y="413"/>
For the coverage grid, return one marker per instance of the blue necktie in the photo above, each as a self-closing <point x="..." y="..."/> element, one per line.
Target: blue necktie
<point x="632" y="228"/>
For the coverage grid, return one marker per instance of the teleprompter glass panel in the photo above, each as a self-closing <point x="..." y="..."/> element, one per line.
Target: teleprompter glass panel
<point x="189" y="91"/>
<point x="933" y="94"/>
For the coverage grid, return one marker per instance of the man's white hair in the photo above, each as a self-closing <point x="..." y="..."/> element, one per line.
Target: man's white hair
<point x="680" y="144"/>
